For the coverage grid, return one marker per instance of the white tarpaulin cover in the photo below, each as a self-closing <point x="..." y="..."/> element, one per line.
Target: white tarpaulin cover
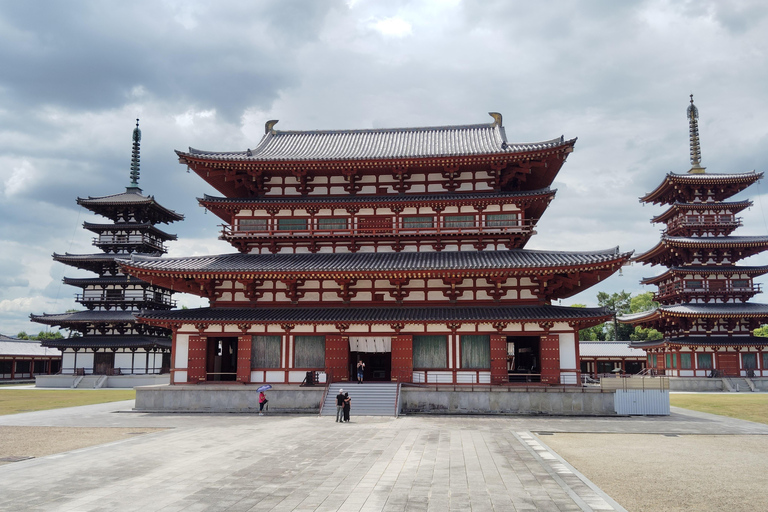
<point x="370" y="344"/>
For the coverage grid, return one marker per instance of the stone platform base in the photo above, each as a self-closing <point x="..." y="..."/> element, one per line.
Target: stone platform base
<point x="711" y="384"/>
<point x="112" y="381"/>
<point x="294" y="399"/>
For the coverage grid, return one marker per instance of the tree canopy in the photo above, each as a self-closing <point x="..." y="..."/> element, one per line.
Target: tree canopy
<point x="621" y="303"/>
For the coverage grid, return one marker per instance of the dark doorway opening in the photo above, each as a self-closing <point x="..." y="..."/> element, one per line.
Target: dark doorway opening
<point x="378" y="366"/>
<point x="633" y="367"/>
<point x="523" y="358"/>
<point x="222" y="359"/>
<point x="103" y="362"/>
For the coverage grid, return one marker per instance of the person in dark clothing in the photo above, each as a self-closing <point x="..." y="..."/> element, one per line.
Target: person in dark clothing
<point x="340" y="406"/>
<point x="347" y="405"/>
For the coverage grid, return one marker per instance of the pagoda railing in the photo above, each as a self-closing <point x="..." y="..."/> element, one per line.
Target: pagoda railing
<point x="704" y="223"/>
<point x="465" y="229"/>
<point x="128" y="241"/>
<point x="707" y="291"/>
<point x="91" y="301"/>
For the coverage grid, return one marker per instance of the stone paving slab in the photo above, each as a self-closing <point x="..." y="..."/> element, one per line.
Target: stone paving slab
<point x="233" y="462"/>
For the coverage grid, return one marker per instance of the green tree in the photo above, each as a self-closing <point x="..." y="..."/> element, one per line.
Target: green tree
<point x="620" y="304"/>
<point x="43" y="335"/>
<point x="762" y="331"/>
<point x="594" y="333"/>
<point x="23" y="335"/>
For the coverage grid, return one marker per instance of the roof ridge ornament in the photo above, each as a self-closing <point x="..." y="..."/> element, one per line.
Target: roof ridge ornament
<point x="269" y="126"/>
<point x="496" y="118"/>
<point x="693" y="128"/>
<point x="135" y="160"/>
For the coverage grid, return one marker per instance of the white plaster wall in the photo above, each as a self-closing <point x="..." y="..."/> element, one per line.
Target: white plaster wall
<point x="68" y="360"/>
<point x="181" y="356"/>
<point x="123" y="361"/>
<point x="567" y="351"/>
<point x="85" y="360"/>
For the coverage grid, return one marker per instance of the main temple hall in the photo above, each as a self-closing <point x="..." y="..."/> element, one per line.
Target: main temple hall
<point x="403" y="248"/>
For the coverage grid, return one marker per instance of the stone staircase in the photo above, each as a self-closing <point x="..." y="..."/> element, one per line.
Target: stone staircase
<point x="90" y="382"/>
<point x="368" y="399"/>
<point x="745" y="386"/>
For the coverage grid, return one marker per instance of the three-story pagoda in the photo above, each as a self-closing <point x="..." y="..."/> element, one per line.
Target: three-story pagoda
<point x="704" y="311"/>
<point x="402" y="248"/>
<point x="111" y="341"/>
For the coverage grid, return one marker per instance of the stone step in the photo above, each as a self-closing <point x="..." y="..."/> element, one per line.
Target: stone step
<point x="369" y="399"/>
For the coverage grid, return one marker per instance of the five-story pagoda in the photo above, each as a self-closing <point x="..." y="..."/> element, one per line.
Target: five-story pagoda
<point x="111" y="341"/>
<point x="402" y="248"/>
<point x="704" y="314"/>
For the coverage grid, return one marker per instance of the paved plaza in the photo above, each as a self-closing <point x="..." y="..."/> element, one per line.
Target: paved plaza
<point x="247" y="462"/>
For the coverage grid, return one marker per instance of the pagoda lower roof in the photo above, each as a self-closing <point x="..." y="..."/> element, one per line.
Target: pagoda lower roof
<point x="722" y="186"/>
<point x="378" y="144"/>
<point x="112" y="205"/>
<point x="699" y="269"/>
<point x="417" y="264"/>
<point x="94" y="262"/>
<point x="129" y="226"/>
<point x="375" y="315"/>
<point x="733" y="207"/>
<point x="85" y="317"/>
<point x="703" y="341"/>
<point x="691" y="310"/>
<point x="759" y="243"/>
<point x="110" y="342"/>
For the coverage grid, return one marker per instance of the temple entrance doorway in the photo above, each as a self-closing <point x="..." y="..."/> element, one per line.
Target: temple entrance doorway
<point x="376" y="353"/>
<point x="221" y="363"/>
<point x="523" y="358"/>
<point x="103" y="362"/>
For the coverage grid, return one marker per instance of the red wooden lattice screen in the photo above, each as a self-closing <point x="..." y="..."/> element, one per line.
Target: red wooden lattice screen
<point x="402" y="358"/>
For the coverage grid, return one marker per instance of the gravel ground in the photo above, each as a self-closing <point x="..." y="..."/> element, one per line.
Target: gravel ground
<point x="661" y="473"/>
<point x="41" y="441"/>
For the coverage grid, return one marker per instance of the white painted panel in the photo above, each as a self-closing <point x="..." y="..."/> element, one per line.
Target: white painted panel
<point x="466" y="378"/>
<point x="295" y="377"/>
<point x="485" y="377"/>
<point x="440" y="377"/>
<point x="257" y="376"/>
<point x="123" y="361"/>
<point x="641" y="402"/>
<point x="569" y="378"/>
<point x="181" y="356"/>
<point x="567" y="351"/>
<point x="419" y="377"/>
<point x="180" y="376"/>
<point x="276" y="376"/>
<point x="67" y="361"/>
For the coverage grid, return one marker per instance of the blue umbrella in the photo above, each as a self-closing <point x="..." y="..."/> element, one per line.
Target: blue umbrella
<point x="264" y="387"/>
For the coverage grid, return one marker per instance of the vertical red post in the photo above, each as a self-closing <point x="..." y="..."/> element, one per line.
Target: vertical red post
<point x="198" y="347"/>
<point x="499" y="373"/>
<point x="337" y="357"/>
<point x="244" y="359"/>
<point x="402" y="358"/>
<point x="550" y="359"/>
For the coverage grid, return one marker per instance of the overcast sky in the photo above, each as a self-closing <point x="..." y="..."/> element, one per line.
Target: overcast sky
<point x="617" y="75"/>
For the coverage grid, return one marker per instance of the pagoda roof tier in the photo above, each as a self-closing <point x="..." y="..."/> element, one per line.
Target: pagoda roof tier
<point x="142" y="227"/>
<point x="709" y="310"/>
<point x="93" y="262"/>
<point x="80" y="318"/>
<point x="733" y="207"/>
<point x="146" y="342"/>
<point x="698" y="269"/>
<point x="682" y="187"/>
<point x="704" y="341"/>
<point x="118" y="206"/>
<point x="376" y="315"/>
<point x="675" y="251"/>
<point x="223" y="206"/>
<point x="82" y="282"/>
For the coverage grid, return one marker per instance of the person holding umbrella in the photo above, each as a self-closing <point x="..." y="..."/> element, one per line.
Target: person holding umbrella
<point x="263" y="398"/>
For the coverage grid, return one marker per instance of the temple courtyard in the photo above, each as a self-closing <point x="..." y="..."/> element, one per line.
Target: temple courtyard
<point x="687" y="461"/>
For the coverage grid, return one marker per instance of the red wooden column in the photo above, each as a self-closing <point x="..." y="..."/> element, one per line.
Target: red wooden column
<point x="402" y="358"/>
<point x="337" y="357"/>
<point x="244" y="359"/>
<point x="198" y="346"/>
<point x="550" y="359"/>
<point x="499" y="373"/>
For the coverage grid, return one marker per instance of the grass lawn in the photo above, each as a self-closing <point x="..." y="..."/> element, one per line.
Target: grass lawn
<point x="752" y="407"/>
<point x="14" y="401"/>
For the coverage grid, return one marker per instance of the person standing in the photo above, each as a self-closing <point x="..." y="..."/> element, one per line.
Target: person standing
<point x="262" y="402"/>
<point x="347" y="405"/>
<point x="340" y="406"/>
<point x="360" y="370"/>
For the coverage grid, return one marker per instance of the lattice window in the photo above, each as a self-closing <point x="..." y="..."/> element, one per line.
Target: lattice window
<point x="252" y="224"/>
<point x="291" y="224"/>
<point x="430" y="351"/>
<point x="475" y="351"/>
<point x="265" y="351"/>
<point x="501" y="220"/>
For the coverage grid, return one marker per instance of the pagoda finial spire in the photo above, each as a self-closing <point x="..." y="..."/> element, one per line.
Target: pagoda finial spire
<point x="693" y="125"/>
<point x="135" y="160"/>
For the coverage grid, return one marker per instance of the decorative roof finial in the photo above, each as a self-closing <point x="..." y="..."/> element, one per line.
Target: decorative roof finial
<point x="135" y="157"/>
<point x="693" y="124"/>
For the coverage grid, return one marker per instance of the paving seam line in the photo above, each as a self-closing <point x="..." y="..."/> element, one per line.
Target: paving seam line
<point x="548" y="458"/>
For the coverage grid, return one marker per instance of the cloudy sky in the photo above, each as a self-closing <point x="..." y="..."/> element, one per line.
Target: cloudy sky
<point x="617" y="75"/>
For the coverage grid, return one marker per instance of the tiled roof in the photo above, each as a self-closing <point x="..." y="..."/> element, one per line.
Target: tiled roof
<point x="662" y="248"/>
<point x="436" y="141"/>
<point x="718" y="269"/>
<point x="110" y="342"/>
<point x="132" y="197"/>
<point x="742" y="309"/>
<point x="133" y="226"/>
<point x="17" y="347"/>
<point x="705" y="341"/>
<point x="400" y="198"/>
<point x="404" y="314"/>
<point x="88" y="281"/>
<point x="733" y="207"/>
<point x="82" y="317"/>
<point x="372" y="262"/>
<point x="668" y="191"/>
<point x="608" y="349"/>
